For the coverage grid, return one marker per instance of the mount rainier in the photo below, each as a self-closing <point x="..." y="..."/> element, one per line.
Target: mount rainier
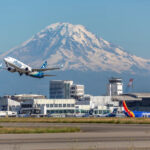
<point x="77" y="49"/>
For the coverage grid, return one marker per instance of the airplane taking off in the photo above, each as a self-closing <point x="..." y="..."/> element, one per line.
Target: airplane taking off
<point x="14" y="65"/>
<point x="133" y="114"/>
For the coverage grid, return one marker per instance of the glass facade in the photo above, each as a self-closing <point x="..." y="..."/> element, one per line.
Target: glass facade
<point x="58" y="111"/>
<point x="60" y="89"/>
<point x="143" y="105"/>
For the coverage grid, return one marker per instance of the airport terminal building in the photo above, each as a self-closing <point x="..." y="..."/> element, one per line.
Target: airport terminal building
<point x="67" y="107"/>
<point x="87" y="105"/>
<point x="61" y="107"/>
<point x="68" y="99"/>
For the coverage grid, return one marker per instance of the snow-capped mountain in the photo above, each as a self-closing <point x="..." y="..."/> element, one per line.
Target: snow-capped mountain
<point x="77" y="49"/>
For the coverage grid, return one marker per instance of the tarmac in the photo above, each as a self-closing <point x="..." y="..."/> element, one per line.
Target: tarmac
<point x="91" y="137"/>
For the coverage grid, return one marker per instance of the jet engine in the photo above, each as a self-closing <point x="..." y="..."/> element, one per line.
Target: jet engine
<point x="11" y="69"/>
<point x="27" y="69"/>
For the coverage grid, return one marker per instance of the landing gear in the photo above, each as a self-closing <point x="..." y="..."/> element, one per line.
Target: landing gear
<point x="6" y="64"/>
<point x="20" y="73"/>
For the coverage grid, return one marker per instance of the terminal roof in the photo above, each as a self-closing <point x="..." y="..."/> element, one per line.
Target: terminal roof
<point x="131" y="97"/>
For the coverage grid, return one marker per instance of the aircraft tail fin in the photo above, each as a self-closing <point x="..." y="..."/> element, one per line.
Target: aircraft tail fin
<point x="127" y="111"/>
<point x="115" y="110"/>
<point x="44" y="65"/>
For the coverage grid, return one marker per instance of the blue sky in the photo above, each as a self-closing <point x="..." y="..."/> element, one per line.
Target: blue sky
<point x="122" y="22"/>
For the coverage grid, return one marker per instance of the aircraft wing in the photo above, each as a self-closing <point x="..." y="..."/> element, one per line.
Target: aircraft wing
<point x="45" y="69"/>
<point x="1" y="67"/>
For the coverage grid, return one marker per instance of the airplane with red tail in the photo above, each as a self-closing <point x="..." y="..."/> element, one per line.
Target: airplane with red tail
<point x="135" y="114"/>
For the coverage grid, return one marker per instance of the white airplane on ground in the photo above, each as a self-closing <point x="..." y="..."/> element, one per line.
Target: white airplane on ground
<point x="14" y="65"/>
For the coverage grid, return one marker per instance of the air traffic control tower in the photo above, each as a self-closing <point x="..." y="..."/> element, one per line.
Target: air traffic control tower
<point x="115" y="87"/>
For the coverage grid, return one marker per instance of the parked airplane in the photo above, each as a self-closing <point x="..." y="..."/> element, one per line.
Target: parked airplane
<point x="133" y="114"/>
<point x="113" y="114"/>
<point x="14" y="65"/>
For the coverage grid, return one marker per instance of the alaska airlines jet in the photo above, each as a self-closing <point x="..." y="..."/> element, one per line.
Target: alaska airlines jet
<point x="14" y="65"/>
<point x="133" y="114"/>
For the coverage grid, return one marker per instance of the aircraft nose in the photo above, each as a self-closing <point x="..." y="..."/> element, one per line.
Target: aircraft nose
<point x="5" y="59"/>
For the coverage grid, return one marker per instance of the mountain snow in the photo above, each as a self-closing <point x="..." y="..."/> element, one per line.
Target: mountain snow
<point x="77" y="49"/>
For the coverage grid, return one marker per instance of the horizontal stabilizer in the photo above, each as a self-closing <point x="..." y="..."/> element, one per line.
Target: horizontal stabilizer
<point x="48" y="75"/>
<point x="45" y="69"/>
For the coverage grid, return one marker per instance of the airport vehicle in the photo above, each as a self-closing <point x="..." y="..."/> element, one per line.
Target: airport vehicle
<point x="14" y="65"/>
<point x="8" y="114"/>
<point x="133" y="114"/>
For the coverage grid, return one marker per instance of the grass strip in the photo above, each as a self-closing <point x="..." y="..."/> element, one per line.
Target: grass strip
<point x="79" y="120"/>
<point x="24" y="130"/>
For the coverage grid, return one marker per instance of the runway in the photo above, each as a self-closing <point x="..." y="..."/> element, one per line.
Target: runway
<point x="92" y="137"/>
